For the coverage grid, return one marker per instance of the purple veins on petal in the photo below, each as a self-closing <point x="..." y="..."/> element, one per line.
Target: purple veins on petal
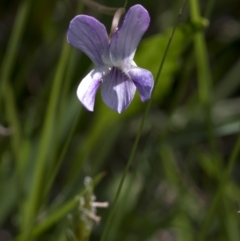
<point x="113" y="60"/>
<point x="88" y="87"/>
<point x="143" y="80"/>
<point x="126" y="39"/>
<point x="90" y="36"/>
<point x="117" y="90"/>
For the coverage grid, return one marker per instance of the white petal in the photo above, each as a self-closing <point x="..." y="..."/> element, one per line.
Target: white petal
<point x="88" y="87"/>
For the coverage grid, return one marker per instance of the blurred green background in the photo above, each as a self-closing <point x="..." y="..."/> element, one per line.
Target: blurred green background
<point x="56" y="158"/>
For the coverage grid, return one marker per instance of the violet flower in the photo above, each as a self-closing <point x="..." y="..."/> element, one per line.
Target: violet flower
<point x="115" y="69"/>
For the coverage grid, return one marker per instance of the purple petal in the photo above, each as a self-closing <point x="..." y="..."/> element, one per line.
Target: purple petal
<point x="88" y="87"/>
<point x="117" y="90"/>
<point x="143" y="80"/>
<point x="126" y="39"/>
<point x="90" y="36"/>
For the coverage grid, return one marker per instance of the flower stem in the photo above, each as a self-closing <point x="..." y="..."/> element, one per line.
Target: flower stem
<point x="116" y="19"/>
<point x="133" y="150"/>
<point x="125" y="4"/>
<point x="99" y="7"/>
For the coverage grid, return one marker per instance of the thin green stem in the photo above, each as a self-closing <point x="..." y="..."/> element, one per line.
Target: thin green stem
<point x="6" y="91"/>
<point x="11" y="53"/>
<point x="204" y="73"/>
<point x="204" y="77"/>
<point x="62" y="154"/>
<point x="45" y="142"/>
<point x="15" y="125"/>
<point x="62" y="106"/>
<point x="49" y="127"/>
<point x="209" y="8"/>
<point x="125" y="4"/>
<point x="133" y="150"/>
<point x="218" y="195"/>
<point x="204" y="88"/>
<point x="99" y="7"/>
<point x="234" y="155"/>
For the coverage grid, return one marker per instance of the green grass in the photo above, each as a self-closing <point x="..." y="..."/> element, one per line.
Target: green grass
<point x="169" y="168"/>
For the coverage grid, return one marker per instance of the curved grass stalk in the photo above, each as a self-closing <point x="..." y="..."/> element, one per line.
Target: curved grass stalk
<point x="133" y="150"/>
<point x="6" y="91"/>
